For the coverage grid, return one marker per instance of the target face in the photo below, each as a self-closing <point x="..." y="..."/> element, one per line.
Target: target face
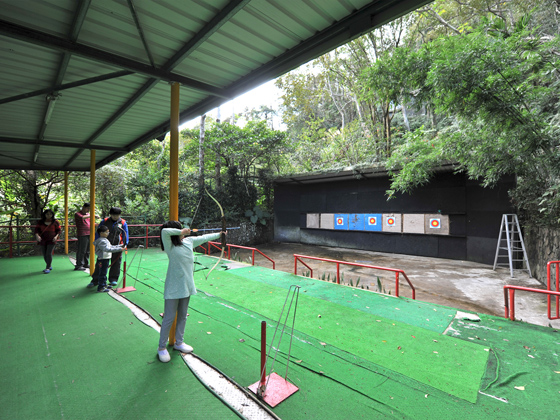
<point x="391" y="221"/>
<point x="339" y="221"/>
<point x="435" y="223"/>
<point x="372" y="221"/>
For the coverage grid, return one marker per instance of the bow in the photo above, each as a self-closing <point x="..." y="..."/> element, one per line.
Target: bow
<point x="223" y="236"/>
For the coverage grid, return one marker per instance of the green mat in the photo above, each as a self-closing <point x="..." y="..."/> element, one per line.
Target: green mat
<point x="69" y="352"/>
<point x="101" y="362"/>
<point x="453" y="366"/>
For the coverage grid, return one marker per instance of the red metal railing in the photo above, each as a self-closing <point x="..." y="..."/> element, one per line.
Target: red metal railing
<point x="548" y="286"/>
<point x="509" y="293"/>
<point x="229" y="246"/>
<point x="510" y="304"/>
<point x="397" y="271"/>
<point x="31" y="228"/>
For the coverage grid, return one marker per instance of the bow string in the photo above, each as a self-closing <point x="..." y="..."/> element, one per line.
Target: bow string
<point x="223" y="236"/>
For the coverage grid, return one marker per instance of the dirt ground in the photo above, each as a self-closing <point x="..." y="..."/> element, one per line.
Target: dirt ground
<point x="459" y="284"/>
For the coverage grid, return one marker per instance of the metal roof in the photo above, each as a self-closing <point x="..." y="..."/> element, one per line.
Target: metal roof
<point x="94" y="74"/>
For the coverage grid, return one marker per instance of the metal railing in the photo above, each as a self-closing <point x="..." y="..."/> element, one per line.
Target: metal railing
<point x="556" y="264"/>
<point x="298" y="257"/>
<point x="215" y="245"/>
<point x="14" y="242"/>
<point x="509" y="293"/>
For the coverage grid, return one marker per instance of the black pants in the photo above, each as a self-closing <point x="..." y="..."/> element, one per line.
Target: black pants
<point x="114" y="270"/>
<point x="82" y="253"/>
<point x="47" y="251"/>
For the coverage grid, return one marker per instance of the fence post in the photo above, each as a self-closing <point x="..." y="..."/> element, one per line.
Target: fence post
<point x="10" y="240"/>
<point x="337" y="273"/>
<point x="17" y="236"/>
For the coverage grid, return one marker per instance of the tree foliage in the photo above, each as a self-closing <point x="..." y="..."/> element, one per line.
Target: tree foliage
<point x="500" y="86"/>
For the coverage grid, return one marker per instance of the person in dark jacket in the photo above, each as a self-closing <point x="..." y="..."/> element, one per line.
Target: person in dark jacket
<point x="118" y="235"/>
<point x="47" y="233"/>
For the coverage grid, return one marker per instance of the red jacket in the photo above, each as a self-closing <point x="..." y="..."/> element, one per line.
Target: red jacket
<point x="82" y="225"/>
<point x="47" y="233"/>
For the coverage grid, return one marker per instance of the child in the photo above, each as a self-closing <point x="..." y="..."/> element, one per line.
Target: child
<point x="103" y="252"/>
<point x="179" y="282"/>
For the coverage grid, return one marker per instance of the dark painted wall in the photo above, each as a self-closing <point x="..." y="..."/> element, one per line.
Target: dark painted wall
<point x="475" y="214"/>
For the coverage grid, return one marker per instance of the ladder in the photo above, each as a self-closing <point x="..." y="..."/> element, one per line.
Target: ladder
<point x="511" y="241"/>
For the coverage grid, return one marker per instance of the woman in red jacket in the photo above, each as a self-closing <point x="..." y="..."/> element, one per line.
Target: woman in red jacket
<point x="47" y="233"/>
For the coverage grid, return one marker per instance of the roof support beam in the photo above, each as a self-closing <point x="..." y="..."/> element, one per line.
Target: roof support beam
<point x="65" y="86"/>
<point x="66" y="144"/>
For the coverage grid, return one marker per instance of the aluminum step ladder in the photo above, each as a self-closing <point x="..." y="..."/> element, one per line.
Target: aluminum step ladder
<point x="511" y="246"/>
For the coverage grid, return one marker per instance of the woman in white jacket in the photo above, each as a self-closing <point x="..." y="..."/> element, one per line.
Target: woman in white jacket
<point x="179" y="282"/>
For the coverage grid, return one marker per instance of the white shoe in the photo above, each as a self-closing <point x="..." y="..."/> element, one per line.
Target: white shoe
<point x="163" y="355"/>
<point x="183" y="348"/>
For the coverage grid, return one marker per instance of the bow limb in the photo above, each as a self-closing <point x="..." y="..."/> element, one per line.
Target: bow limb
<point x="223" y="236"/>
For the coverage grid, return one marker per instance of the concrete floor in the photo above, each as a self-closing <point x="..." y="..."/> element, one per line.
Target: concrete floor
<point x="459" y="284"/>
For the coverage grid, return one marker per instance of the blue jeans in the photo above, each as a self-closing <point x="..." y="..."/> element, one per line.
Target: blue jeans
<point x="101" y="268"/>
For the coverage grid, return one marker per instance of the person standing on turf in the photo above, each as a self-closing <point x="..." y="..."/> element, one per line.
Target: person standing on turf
<point x="47" y="232"/>
<point x="118" y="235"/>
<point x="104" y="251"/>
<point x="82" y="220"/>
<point x="179" y="282"/>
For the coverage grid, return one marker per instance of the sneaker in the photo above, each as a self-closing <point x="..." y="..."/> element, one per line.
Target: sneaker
<point x="50" y="268"/>
<point x="163" y="355"/>
<point x="46" y="271"/>
<point x="79" y="269"/>
<point x="113" y="283"/>
<point x="103" y="290"/>
<point x="90" y="285"/>
<point x="183" y="348"/>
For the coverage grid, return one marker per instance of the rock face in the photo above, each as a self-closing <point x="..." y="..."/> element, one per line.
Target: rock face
<point x="542" y="245"/>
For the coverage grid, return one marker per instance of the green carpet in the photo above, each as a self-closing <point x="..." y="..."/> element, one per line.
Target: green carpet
<point x="69" y="352"/>
<point x="453" y="366"/>
<point x="83" y="355"/>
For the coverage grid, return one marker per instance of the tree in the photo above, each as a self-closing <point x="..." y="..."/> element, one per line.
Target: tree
<point x="502" y="90"/>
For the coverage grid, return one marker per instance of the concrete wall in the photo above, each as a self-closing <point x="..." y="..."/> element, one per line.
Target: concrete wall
<point x="470" y="231"/>
<point x="543" y="245"/>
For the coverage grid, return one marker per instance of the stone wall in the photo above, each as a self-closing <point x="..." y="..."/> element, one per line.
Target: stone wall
<point x="250" y="234"/>
<point x="542" y="245"/>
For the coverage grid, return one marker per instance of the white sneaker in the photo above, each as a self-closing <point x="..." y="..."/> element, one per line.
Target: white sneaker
<point x="183" y="348"/>
<point x="163" y="355"/>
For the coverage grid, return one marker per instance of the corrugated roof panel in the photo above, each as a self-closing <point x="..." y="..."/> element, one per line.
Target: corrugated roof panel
<point x="232" y="46"/>
<point x="110" y="27"/>
<point x="91" y="105"/>
<point x="21" y="155"/>
<point x="80" y="68"/>
<point x="51" y="16"/>
<point x="20" y="119"/>
<point x="25" y="68"/>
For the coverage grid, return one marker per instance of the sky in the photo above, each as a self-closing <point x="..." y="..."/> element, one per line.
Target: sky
<point x="265" y="94"/>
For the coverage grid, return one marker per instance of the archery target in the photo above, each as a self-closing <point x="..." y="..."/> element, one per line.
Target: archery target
<point x="392" y="222"/>
<point x="437" y="224"/>
<point x="341" y="221"/>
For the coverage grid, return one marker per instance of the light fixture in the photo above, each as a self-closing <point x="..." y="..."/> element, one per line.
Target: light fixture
<point x="51" y="99"/>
